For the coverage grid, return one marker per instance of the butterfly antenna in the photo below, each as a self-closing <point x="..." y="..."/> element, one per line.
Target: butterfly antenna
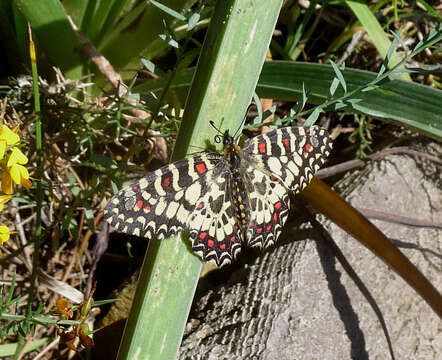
<point x="243" y="121"/>
<point x="218" y="137"/>
<point x="214" y="126"/>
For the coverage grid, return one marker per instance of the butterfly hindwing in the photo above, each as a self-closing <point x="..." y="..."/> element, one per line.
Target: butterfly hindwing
<point x="270" y="204"/>
<point x="159" y="205"/>
<point x="213" y="230"/>
<point x="291" y="154"/>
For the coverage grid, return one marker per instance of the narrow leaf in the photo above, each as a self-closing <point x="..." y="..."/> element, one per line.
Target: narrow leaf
<point x="168" y="10"/>
<point x="339" y="76"/>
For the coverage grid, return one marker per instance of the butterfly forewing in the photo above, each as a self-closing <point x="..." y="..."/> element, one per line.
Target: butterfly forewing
<point x="291" y="155"/>
<point x="159" y="205"/>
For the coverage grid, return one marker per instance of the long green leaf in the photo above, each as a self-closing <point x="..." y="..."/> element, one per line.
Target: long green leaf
<point x="76" y="10"/>
<point x="228" y="70"/>
<point x="50" y="23"/>
<point x="412" y="105"/>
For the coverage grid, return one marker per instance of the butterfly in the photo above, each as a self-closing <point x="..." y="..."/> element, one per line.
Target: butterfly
<point x="225" y="201"/>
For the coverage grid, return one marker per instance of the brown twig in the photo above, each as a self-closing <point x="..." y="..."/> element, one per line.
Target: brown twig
<point x="353" y="43"/>
<point x="348" y="165"/>
<point x="48" y="347"/>
<point x="399" y="219"/>
<point x="405" y="220"/>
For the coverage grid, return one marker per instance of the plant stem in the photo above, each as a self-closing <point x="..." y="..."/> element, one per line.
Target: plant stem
<point x="38" y="148"/>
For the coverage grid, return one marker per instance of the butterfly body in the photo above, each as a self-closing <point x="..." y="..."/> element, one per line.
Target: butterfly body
<point x="226" y="201"/>
<point x="240" y="194"/>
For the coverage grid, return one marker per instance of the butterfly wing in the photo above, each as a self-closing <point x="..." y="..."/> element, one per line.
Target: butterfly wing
<point x="275" y="162"/>
<point x="213" y="231"/>
<point x="159" y="205"/>
<point x="292" y="154"/>
<point x="196" y="193"/>
<point x="269" y="204"/>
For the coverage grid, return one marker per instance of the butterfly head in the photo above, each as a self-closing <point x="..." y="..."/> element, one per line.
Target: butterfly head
<point x="232" y="152"/>
<point x="227" y="139"/>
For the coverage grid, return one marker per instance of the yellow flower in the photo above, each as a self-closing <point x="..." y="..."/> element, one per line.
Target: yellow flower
<point x="4" y="234"/>
<point x="3" y="200"/>
<point x="16" y="172"/>
<point x="9" y="135"/>
<point x="17" y="157"/>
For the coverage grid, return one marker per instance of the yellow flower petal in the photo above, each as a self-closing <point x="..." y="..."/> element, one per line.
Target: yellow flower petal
<point x="3" y="200"/>
<point x="18" y="173"/>
<point x="17" y="157"/>
<point x="9" y="136"/>
<point x="6" y="183"/>
<point x="2" y="148"/>
<point x="23" y="172"/>
<point x="14" y="171"/>
<point x="4" y="234"/>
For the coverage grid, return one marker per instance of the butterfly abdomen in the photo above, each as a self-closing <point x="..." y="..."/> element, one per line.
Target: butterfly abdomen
<point x="240" y="197"/>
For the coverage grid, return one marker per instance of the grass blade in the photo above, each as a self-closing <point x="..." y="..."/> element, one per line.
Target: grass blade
<point x="374" y="30"/>
<point x="50" y="23"/>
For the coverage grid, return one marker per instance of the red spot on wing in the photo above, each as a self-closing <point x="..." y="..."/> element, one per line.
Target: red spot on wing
<point x="203" y="235"/>
<point x="262" y="147"/>
<point x="147" y="207"/>
<point x="139" y="204"/>
<point x="236" y="227"/>
<point x="305" y="154"/>
<point x="308" y="147"/>
<point x="200" y="206"/>
<point x="275" y="217"/>
<point x="200" y="168"/>
<point x="135" y="187"/>
<point x="210" y="243"/>
<point x="286" y="143"/>
<point x="222" y="247"/>
<point x="278" y="205"/>
<point x="259" y="230"/>
<point x="269" y="227"/>
<point x="307" y="131"/>
<point x="166" y="182"/>
<point x="232" y="238"/>
<point x="273" y="178"/>
<point x="252" y="224"/>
